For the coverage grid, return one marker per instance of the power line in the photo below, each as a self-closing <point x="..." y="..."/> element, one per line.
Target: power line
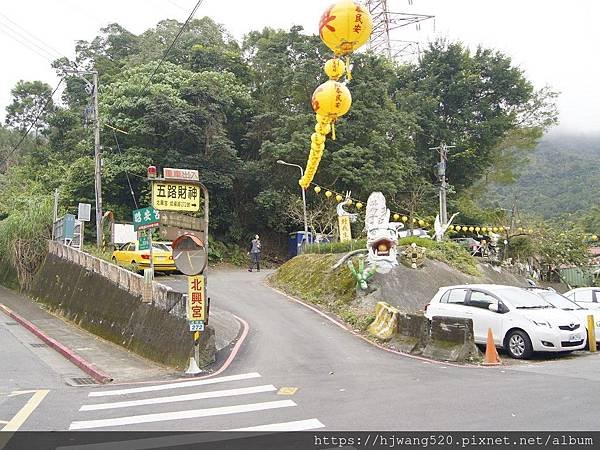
<point x="143" y="91"/>
<point x="33" y="38"/>
<point x="42" y="109"/>
<point x="126" y="173"/>
<point x="15" y="37"/>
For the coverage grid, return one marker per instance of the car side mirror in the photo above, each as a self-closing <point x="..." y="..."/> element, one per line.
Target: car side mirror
<point x="494" y="307"/>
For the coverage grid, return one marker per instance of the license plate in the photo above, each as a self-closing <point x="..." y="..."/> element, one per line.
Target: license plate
<point x="196" y="325"/>
<point x="574" y="337"/>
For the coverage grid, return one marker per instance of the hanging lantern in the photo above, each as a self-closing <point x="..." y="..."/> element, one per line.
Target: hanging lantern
<point x="349" y="202"/>
<point x="530" y="231"/>
<point x="484" y="229"/>
<point x="594" y="237"/>
<point x="359" y="205"/>
<point x="335" y="68"/>
<point x="317" y="189"/>
<point x="501" y="229"/>
<point x="495" y="229"/>
<point x="404" y="219"/>
<point x="345" y="26"/>
<point x="457" y="228"/>
<point x="338" y="198"/>
<point x="318" y="139"/>
<point x="328" y="194"/>
<point x="477" y="229"/>
<point x="331" y="100"/>
<point x="323" y="128"/>
<point x="421" y="222"/>
<point x="396" y="217"/>
<point x="471" y="229"/>
<point x="451" y="227"/>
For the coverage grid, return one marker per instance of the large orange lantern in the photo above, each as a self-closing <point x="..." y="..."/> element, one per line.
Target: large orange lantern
<point x="345" y="26"/>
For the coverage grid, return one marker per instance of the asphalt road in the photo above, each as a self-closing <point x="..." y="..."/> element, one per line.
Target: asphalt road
<point x="298" y="370"/>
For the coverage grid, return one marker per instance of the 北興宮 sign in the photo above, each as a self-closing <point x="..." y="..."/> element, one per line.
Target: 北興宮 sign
<point x="175" y="196"/>
<point x="145" y="218"/>
<point x="196" y="310"/>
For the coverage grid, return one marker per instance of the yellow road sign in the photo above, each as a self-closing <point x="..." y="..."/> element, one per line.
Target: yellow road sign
<point x="196" y="309"/>
<point x="175" y="196"/>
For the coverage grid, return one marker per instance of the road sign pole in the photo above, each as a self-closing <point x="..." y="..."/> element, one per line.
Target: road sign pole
<point x="151" y="254"/>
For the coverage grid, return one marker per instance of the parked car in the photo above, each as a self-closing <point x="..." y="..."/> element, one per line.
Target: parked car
<point x="588" y="297"/>
<point x="140" y="259"/>
<point x="472" y="245"/>
<point x="521" y="321"/>
<point x="562" y="302"/>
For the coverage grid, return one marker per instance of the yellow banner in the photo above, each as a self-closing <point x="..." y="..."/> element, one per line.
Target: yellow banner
<point x="345" y="230"/>
<point x="196" y="304"/>
<point x="173" y="196"/>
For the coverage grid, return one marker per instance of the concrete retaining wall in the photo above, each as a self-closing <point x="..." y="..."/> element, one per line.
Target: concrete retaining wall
<point x="106" y="300"/>
<point x="451" y="339"/>
<point x="444" y="338"/>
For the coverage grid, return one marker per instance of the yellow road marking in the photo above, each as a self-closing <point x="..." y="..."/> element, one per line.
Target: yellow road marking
<point x="287" y="391"/>
<point x="19" y="419"/>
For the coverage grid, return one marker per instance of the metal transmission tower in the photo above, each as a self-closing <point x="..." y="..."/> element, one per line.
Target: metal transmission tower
<point x="385" y="23"/>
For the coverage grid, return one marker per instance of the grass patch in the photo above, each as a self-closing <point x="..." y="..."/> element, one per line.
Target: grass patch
<point x="336" y="247"/>
<point x="310" y="277"/>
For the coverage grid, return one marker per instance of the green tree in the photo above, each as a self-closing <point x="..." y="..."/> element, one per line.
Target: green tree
<point x="29" y="99"/>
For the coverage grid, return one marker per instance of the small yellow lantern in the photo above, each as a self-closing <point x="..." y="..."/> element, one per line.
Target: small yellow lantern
<point x="484" y="229"/>
<point x="457" y="228"/>
<point x="451" y="227"/>
<point x="396" y="216"/>
<point x="328" y="194"/>
<point x="404" y="219"/>
<point x="477" y="229"/>
<point x="349" y="202"/>
<point x="421" y="222"/>
<point x="335" y="68"/>
<point x="471" y="229"/>
<point x="501" y="229"/>
<point x="317" y="189"/>
<point x="345" y="26"/>
<point x="530" y="231"/>
<point x="359" y="205"/>
<point x="594" y="237"/>
<point x="495" y="229"/>
<point x="338" y="198"/>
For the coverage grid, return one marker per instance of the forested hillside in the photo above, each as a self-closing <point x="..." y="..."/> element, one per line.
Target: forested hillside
<point x="562" y="176"/>
<point x="232" y="109"/>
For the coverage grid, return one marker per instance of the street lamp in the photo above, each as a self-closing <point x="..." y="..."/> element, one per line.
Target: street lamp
<point x="279" y="161"/>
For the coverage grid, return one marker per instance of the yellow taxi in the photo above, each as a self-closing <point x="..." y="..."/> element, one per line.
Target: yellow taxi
<point x="140" y="259"/>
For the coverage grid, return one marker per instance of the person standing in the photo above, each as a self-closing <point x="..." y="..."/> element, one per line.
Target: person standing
<point x="254" y="254"/>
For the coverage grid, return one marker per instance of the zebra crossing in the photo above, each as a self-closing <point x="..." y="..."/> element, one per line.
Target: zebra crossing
<point x="228" y="403"/>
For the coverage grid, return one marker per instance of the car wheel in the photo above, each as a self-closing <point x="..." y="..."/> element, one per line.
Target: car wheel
<point x="518" y="345"/>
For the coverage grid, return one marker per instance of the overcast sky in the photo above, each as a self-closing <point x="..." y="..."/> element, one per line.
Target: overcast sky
<point x="554" y="42"/>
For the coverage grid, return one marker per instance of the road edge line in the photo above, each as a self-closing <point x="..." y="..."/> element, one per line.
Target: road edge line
<point x="351" y="331"/>
<point x="69" y="354"/>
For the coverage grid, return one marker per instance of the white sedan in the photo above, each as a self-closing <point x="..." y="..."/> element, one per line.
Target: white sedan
<point x="588" y="297"/>
<point x="562" y="302"/>
<point x="521" y="322"/>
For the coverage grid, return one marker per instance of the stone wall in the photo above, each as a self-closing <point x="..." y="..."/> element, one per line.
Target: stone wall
<point x="106" y="300"/>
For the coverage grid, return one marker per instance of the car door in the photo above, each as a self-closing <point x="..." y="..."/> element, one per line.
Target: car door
<point x="483" y="319"/>
<point x="452" y="303"/>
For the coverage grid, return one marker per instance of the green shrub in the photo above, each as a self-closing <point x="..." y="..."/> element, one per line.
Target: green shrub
<point x="336" y="247"/>
<point x="24" y="235"/>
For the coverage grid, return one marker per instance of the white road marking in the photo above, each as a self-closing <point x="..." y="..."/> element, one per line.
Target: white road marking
<point x="181" y="384"/>
<point x="298" y="425"/>
<point x="181" y="398"/>
<point x="178" y="415"/>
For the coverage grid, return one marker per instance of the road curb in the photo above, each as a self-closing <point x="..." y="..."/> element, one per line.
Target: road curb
<point x="375" y="344"/>
<point x="84" y="365"/>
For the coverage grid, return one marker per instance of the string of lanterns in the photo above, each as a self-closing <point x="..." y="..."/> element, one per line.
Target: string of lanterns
<point x="344" y="27"/>
<point x="359" y="204"/>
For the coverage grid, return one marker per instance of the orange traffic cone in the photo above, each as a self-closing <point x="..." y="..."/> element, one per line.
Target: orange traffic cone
<point x="491" y="354"/>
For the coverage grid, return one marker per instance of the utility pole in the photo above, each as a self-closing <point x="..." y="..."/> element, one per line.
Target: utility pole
<point x="93" y="90"/>
<point x="442" y="149"/>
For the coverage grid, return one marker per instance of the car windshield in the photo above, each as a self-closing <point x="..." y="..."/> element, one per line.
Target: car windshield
<point x="522" y="299"/>
<point x="558" y="300"/>
<point x="161" y="247"/>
